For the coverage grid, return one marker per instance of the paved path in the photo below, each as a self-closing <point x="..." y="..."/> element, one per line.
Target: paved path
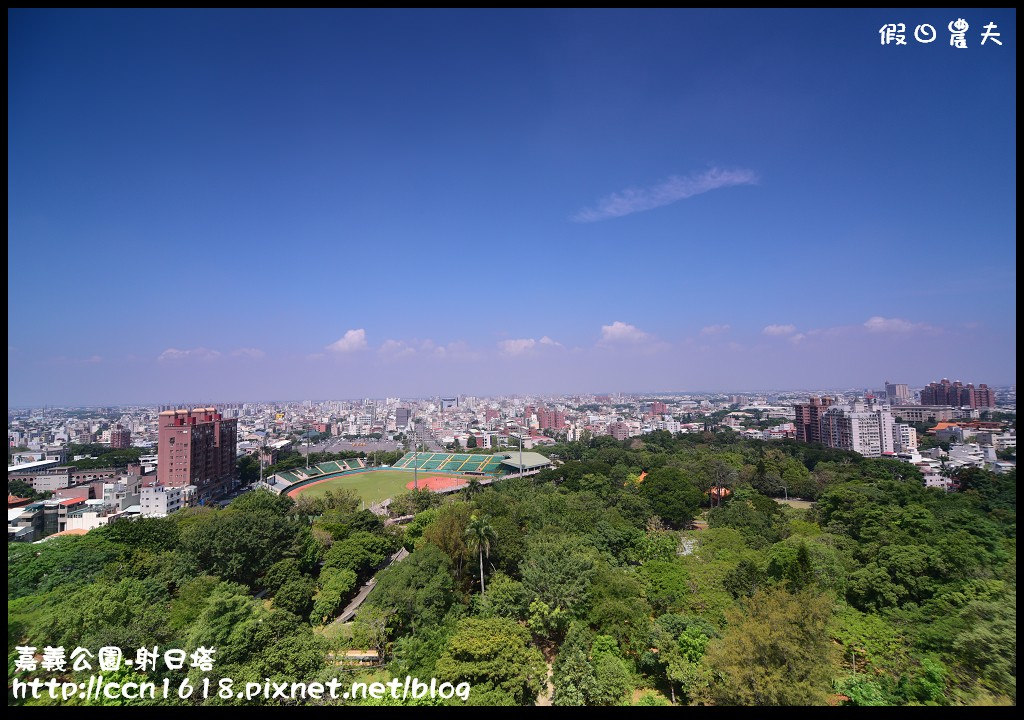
<point x="350" y="610"/>
<point x="547" y="693"/>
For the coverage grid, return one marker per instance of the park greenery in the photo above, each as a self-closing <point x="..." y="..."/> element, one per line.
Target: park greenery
<point x="658" y="570"/>
<point x="103" y="456"/>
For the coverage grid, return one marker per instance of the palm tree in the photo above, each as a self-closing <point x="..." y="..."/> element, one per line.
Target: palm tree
<point x="479" y="534"/>
<point x="472" y="488"/>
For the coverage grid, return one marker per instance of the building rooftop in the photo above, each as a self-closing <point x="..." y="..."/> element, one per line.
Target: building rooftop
<point x="530" y="460"/>
<point x="35" y="465"/>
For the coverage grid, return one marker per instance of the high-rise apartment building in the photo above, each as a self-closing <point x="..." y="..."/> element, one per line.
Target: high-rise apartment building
<point x="197" y="447"/>
<point x="860" y="431"/>
<point x="904" y="438"/>
<point x="984" y="396"/>
<point x="120" y="437"/>
<point x="658" y="408"/>
<point x="808" y="419"/>
<point x="553" y="419"/>
<point x="957" y="394"/>
<point x="865" y="428"/>
<point x="619" y="430"/>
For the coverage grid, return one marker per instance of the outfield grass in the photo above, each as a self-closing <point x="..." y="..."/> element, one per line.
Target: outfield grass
<point x="372" y="486"/>
<point x="799" y="504"/>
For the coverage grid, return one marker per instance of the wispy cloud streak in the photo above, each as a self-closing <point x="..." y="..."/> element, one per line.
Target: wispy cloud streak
<point x="673" y="189"/>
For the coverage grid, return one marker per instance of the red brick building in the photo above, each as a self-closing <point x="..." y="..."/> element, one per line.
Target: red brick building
<point x="553" y="419"/>
<point x="958" y="395"/>
<point x="197" y="447"/>
<point x="808" y="419"/>
<point x="120" y="438"/>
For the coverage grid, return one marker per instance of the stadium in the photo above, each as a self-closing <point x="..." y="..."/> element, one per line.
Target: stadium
<point x="439" y="472"/>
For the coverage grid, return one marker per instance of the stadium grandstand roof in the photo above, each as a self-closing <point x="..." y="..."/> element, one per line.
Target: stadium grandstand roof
<point x="531" y="460"/>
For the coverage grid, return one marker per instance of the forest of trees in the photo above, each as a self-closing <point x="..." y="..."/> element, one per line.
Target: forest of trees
<point x="598" y="589"/>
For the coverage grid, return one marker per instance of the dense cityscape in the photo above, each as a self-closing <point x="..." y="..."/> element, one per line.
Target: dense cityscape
<point x="431" y="358"/>
<point x="962" y="427"/>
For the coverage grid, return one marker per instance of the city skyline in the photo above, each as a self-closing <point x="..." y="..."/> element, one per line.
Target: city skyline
<point x="371" y="203"/>
<point x="635" y="395"/>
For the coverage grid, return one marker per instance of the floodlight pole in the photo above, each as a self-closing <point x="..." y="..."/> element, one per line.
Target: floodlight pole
<point x="521" y="445"/>
<point x="415" y="458"/>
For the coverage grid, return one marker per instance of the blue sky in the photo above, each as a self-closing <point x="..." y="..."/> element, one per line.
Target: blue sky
<point x="314" y="204"/>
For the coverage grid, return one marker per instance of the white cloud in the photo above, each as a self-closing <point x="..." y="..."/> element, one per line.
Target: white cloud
<point x="548" y="341"/>
<point x="395" y="349"/>
<point x="714" y="330"/>
<point x="351" y="341"/>
<point x="673" y="189"/>
<point x="878" y="324"/>
<point x="779" y="329"/>
<point x="458" y="350"/>
<point x="254" y="353"/>
<point x="797" y="338"/>
<point x="517" y="347"/>
<point x="620" y="333"/>
<point x="199" y="353"/>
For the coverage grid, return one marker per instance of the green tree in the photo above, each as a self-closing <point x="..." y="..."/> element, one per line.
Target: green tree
<point x="416" y="592"/>
<point x="262" y="501"/>
<point x="672" y="496"/>
<point x="667" y="584"/>
<point x="448" y="532"/>
<point x="361" y="552"/>
<point x="238" y="545"/>
<point x="335" y="586"/>
<point x="559" y="570"/>
<point x="507" y="598"/>
<point x="494" y="653"/>
<point x="279" y="573"/>
<point x="573" y="675"/>
<point x="296" y="596"/>
<point x="479" y="535"/>
<point x="248" y="469"/>
<point x="472" y="489"/>
<point x="776" y="651"/>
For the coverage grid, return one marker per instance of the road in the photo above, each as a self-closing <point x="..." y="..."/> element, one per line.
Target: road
<point x="337" y="445"/>
<point x="350" y="610"/>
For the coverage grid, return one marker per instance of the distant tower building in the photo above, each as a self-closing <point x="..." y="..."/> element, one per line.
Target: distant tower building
<point x="402" y="416"/>
<point x="120" y="437"/>
<point x="808" y="419"/>
<point x="897" y="394"/>
<point x="197" y="447"/>
<point x="957" y="394"/>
